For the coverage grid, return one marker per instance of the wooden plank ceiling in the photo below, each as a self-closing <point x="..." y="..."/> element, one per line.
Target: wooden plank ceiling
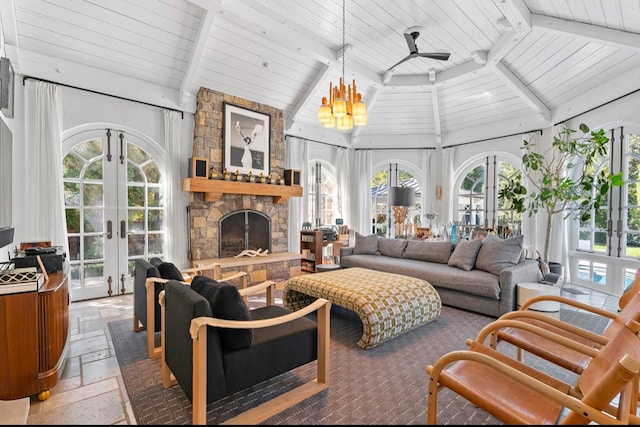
<point x="515" y="65"/>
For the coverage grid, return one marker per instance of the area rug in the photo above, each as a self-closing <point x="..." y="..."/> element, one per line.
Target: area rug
<point x="383" y="385"/>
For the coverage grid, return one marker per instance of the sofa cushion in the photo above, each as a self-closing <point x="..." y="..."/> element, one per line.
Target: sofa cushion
<point x="465" y="253"/>
<point x="428" y="251"/>
<point x="226" y="303"/>
<point x="169" y="271"/>
<point x="497" y="254"/>
<point x="391" y="247"/>
<point x="366" y="245"/>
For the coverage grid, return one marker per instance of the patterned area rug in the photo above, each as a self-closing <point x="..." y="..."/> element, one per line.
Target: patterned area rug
<point x="383" y="385"/>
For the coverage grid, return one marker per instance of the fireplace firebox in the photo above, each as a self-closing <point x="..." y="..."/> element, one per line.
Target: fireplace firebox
<point x="243" y="229"/>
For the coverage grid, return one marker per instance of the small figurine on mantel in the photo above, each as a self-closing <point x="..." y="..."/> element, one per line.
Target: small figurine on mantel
<point x="227" y="175"/>
<point x="273" y="178"/>
<point x="238" y="177"/>
<point x="263" y="179"/>
<point x="213" y="174"/>
<point x="280" y="180"/>
<point x="251" y="177"/>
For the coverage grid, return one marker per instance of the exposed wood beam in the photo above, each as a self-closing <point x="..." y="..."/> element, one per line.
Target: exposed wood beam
<point x="592" y="33"/>
<point x="436" y="107"/>
<point x="8" y="21"/>
<point x="206" y="24"/>
<point x="516" y="12"/>
<point x="504" y="45"/>
<point x="523" y="91"/>
<point x="306" y="98"/>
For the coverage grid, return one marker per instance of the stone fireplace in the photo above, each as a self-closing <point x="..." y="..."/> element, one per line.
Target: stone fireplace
<point x="212" y="221"/>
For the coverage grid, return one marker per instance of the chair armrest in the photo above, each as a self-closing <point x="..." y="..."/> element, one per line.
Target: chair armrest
<point x="256" y="289"/>
<point x="215" y="266"/>
<point x="592" y="336"/>
<point x="494" y="326"/>
<point x="567" y="301"/>
<point x="199" y="322"/>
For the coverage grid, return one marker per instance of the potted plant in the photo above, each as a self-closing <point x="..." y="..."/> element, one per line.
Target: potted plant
<point x="563" y="178"/>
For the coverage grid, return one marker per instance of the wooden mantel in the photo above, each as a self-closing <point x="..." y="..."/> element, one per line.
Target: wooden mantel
<point x="213" y="189"/>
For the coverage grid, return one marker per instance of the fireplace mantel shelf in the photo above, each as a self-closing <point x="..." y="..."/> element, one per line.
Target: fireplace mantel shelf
<point x="213" y="189"/>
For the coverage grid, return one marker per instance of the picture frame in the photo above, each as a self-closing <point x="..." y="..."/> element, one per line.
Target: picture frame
<point x="247" y="140"/>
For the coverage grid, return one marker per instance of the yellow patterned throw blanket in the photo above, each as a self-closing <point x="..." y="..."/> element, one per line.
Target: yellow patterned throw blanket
<point x="388" y="304"/>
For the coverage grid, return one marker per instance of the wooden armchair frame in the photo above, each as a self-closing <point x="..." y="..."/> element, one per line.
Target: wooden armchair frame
<point x="516" y="393"/>
<point x="151" y="283"/>
<point x="198" y="331"/>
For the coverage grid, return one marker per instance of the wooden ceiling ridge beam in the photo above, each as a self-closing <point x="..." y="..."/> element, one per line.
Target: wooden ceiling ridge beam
<point x="306" y="98"/>
<point x="589" y="32"/>
<point x="516" y="12"/>
<point x="523" y="91"/>
<point x="10" y="31"/>
<point x="207" y="21"/>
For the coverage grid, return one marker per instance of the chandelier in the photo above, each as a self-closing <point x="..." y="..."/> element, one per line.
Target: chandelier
<point x="344" y="108"/>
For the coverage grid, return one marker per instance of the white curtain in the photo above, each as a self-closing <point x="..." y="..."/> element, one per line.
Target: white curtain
<point x="341" y="163"/>
<point x="446" y="213"/>
<point x="44" y="217"/>
<point x="176" y="243"/>
<point x="361" y="192"/>
<point x="297" y="154"/>
<point x="426" y="182"/>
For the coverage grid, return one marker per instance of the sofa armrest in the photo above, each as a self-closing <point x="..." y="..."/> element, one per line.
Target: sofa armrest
<point x="346" y="251"/>
<point x="526" y="271"/>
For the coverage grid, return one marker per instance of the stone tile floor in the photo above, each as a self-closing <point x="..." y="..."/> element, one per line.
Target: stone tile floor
<point x="91" y="390"/>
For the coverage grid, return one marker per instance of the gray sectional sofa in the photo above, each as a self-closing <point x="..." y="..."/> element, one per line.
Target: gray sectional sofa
<point x="475" y="275"/>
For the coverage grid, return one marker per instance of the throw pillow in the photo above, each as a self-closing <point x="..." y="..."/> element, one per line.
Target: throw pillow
<point x="366" y="245"/>
<point x="169" y="271"/>
<point x="391" y="247"/>
<point x="497" y="254"/>
<point x="428" y="251"/>
<point x="465" y="253"/>
<point x="226" y="303"/>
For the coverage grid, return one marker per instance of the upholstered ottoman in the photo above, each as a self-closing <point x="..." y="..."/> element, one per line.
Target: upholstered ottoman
<point x="388" y="304"/>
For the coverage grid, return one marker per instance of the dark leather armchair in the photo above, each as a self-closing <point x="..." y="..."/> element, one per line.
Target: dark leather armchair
<point x="213" y="345"/>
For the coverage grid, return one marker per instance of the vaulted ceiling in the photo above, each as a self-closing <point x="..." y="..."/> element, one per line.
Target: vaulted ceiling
<point x="515" y="65"/>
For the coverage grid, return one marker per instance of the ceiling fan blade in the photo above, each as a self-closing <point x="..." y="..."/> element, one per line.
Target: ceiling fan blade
<point x="411" y="42"/>
<point x="400" y="62"/>
<point x="443" y="56"/>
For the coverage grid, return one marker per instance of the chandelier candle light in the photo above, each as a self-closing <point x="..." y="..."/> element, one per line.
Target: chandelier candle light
<point x="345" y="107"/>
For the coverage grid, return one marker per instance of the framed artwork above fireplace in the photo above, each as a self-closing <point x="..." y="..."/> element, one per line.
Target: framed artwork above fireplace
<point x="247" y="140"/>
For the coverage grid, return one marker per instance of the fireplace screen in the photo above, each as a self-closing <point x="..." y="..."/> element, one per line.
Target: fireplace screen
<point x="242" y="230"/>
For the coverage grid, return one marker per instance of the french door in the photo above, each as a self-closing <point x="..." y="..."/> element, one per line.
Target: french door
<point x="113" y="186"/>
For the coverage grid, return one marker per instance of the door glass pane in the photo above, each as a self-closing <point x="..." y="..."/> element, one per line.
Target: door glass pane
<point x="93" y="220"/>
<point x="93" y="247"/>
<point x="136" y="220"/>
<point x="155" y="220"/>
<point x="136" y="244"/>
<point x="92" y="195"/>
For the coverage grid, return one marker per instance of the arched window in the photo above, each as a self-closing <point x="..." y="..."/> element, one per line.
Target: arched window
<point x="477" y="203"/>
<point x="389" y="175"/>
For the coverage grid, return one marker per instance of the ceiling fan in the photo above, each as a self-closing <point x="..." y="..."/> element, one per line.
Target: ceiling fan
<point x="411" y="35"/>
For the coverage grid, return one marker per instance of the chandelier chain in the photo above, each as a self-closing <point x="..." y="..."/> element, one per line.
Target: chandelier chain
<point x="343" y="37"/>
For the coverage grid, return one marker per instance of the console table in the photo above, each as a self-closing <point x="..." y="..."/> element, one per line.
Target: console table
<point x="34" y="333"/>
